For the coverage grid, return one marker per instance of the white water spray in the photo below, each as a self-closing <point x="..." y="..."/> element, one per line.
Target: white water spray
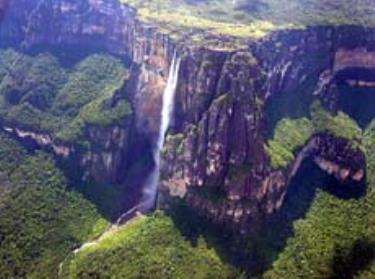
<point x="150" y="191"/>
<point x="151" y="186"/>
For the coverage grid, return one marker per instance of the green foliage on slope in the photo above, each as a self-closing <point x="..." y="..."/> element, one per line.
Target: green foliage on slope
<point x="337" y="236"/>
<point x="41" y="221"/>
<point x="369" y="144"/>
<point x="11" y="154"/>
<point x="92" y="77"/>
<point x="37" y="93"/>
<point x="323" y="241"/>
<point x="30" y="79"/>
<point x="340" y="125"/>
<point x="147" y="247"/>
<point x="290" y="135"/>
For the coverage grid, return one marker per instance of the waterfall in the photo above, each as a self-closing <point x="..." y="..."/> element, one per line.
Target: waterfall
<point x="149" y="194"/>
<point x="150" y="190"/>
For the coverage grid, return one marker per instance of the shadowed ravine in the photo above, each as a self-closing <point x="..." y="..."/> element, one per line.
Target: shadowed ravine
<point x="148" y="200"/>
<point x="186" y="139"/>
<point x="255" y="254"/>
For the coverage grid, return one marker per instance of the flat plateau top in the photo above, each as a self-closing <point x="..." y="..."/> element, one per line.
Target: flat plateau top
<point x="250" y="18"/>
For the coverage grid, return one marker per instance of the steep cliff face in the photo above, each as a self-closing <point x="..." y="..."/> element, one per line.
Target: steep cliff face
<point x="228" y="103"/>
<point x="92" y="26"/>
<point x="102" y="159"/>
<point x="217" y="160"/>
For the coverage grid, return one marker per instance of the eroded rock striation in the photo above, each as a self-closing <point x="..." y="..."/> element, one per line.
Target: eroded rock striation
<point x="222" y="149"/>
<point x="228" y="102"/>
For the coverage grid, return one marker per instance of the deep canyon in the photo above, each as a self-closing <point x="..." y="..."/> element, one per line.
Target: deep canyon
<point x="246" y="120"/>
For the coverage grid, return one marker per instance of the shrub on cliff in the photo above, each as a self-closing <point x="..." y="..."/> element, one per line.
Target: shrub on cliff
<point x="26" y="79"/>
<point x="94" y="76"/>
<point x="11" y="154"/>
<point x="369" y="144"/>
<point x="288" y="137"/>
<point x="340" y="125"/>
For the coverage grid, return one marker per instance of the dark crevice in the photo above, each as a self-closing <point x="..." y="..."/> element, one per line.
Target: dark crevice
<point x="355" y="73"/>
<point x="348" y="264"/>
<point x="111" y="200"/>
<point x="293" y="104"/>
<point x="140" y="165"/>
<point x="357" y="102"/>
<point x="255" y="254"/>
<point x="356" y="94"/>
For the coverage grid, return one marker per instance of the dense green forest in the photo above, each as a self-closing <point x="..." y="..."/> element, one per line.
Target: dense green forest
<point x="292" y="134"/>
<point x="41" y="219"/>
<point x="246" y="105"/>
<point x="336" y="239"/>
<point x="332" y="235"/>
<point x="38" y="93"/>
<point x="148" y="247"/>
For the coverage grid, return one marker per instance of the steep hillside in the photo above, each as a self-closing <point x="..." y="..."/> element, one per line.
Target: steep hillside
<point x="148" y="247"/>
<point x="39" y="94"/>
<point x="267" y="166"/>
<point x="336" y="238"/>
<point x="41" y="219"/>
<point x="74" y="108"/>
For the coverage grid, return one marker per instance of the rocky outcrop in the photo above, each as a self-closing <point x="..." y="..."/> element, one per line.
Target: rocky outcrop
<point x="101" y="158"/>
<point x="258" y="194"/>
<point x="220" y="146"/>
<point x="95" y="25"/>
<point x="354" y="58"/>
<point x="227" y="102"/>
<point x="105" y="159"/>
<point x="40" y="139"/>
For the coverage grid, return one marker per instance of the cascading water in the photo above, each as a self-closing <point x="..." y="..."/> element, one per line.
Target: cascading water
<point x="150" y="190"/>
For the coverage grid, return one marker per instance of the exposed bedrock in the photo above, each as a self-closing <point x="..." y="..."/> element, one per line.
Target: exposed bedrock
<point x="77" y="28"/>
<point x="101" y="161"/>
<point x="228" y="102"/>
<point x="217" y="160"/>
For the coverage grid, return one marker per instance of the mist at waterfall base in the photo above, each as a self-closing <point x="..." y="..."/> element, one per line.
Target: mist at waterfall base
<point x="149" y="194"/>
